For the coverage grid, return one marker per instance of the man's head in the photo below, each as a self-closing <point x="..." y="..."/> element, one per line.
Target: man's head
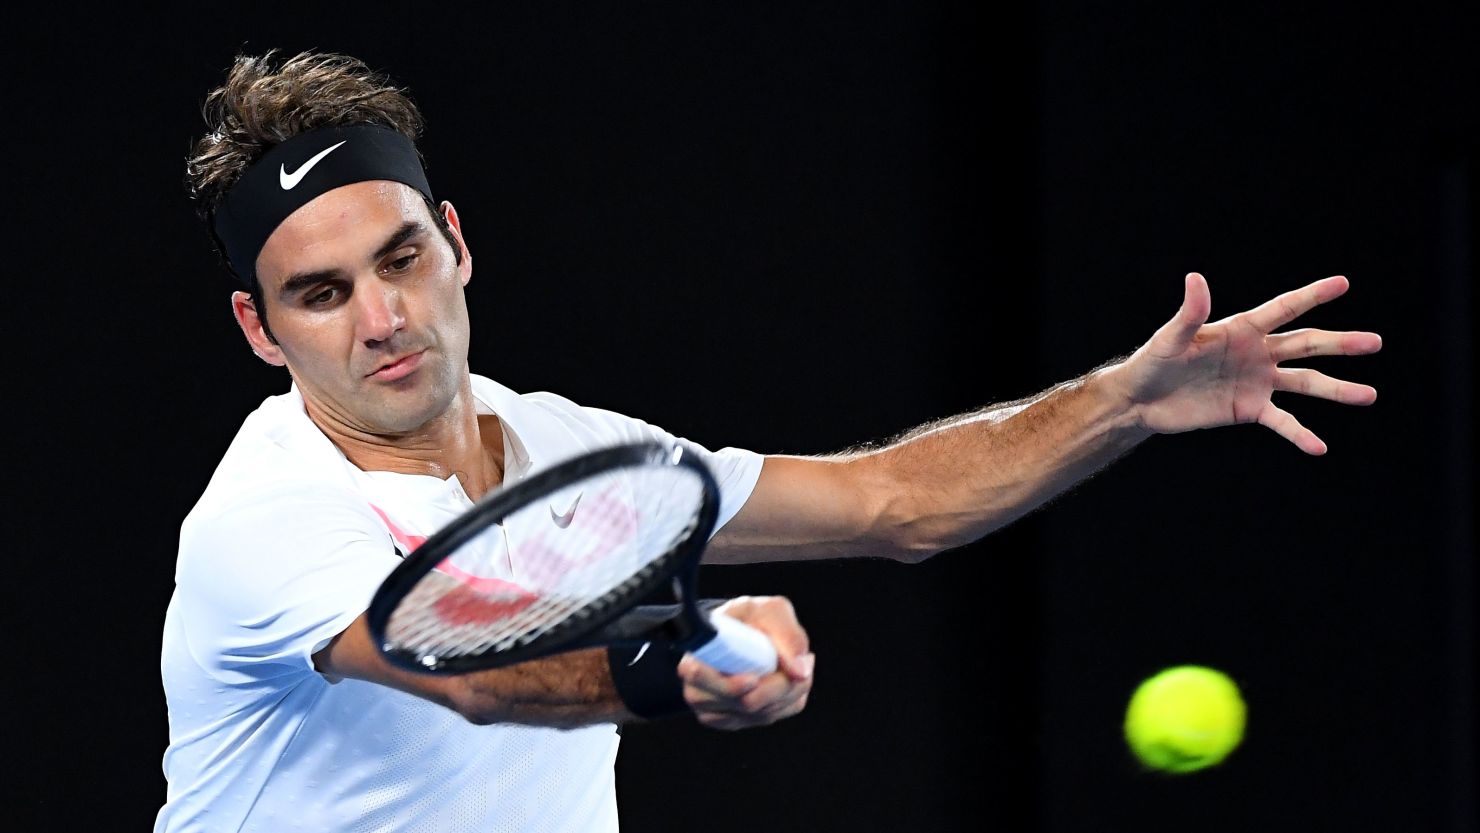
<point x="359" y="276"/>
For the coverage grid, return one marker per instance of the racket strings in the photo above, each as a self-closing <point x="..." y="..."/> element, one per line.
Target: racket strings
<point x="556" y="562"/>
<point x="422" y="628"/>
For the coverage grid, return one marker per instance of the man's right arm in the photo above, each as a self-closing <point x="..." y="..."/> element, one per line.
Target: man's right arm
<point x="563" y="691"/>
<point x="576" y="688"/>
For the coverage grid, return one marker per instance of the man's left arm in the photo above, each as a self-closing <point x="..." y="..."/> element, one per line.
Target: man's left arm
<point x="949" y="483"/>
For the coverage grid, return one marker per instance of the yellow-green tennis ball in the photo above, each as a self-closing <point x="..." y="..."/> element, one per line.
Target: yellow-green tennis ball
<point x="1185" y="718"/>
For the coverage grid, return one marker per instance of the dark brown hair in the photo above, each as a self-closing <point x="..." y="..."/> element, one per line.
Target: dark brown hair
<point x="267" y="100"/>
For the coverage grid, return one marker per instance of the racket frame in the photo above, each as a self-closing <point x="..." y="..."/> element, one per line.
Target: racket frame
<point x="588" y="627"/>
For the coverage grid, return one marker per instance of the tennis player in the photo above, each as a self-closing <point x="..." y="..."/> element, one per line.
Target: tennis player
<point x="283" y="715"/>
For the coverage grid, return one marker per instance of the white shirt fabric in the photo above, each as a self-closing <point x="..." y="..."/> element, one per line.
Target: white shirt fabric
<point x="283" y="551"/>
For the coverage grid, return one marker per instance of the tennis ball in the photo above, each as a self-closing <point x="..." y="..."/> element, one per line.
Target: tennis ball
<point x="1184" y="719"/>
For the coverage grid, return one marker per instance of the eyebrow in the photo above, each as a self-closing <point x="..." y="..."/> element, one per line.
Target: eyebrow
<point x="302" y="280"/>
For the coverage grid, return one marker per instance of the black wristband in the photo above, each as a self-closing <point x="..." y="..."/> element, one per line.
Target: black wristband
<point x="646" y="675"/>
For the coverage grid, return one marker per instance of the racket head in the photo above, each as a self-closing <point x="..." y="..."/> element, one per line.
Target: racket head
<point x="506" y="582"/>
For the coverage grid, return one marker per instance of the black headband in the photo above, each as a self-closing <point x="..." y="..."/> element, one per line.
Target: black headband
<point x="292" y="174"/>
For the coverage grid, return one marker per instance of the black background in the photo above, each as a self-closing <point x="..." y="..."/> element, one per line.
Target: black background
<point x="794" y="228"/>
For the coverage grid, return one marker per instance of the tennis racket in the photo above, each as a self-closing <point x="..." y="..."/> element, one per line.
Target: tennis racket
<point x="562" y="561"/>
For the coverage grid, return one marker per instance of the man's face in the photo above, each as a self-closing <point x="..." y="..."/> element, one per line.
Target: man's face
<point x="365" y="299"/>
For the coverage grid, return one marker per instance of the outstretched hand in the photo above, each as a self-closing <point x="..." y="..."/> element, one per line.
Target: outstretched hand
<point x="1193" y="374"/>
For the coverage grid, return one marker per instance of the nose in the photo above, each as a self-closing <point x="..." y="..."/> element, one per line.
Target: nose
<point x="380" y="312"/>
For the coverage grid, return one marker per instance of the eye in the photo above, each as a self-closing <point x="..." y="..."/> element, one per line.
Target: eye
<point x="401" y="264"/>
<point x="321" y="298"/>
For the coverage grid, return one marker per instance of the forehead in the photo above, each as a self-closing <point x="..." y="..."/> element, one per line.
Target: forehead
<point x="338" y="229"/>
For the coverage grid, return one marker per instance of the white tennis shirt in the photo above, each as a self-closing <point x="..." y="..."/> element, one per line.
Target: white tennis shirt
<point x="283" y="551"/>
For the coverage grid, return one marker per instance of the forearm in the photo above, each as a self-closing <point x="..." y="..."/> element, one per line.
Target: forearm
<point x="596" y="685"/>
<point x="561" y="691"/>
<point x="564" y="691"/>
<point x="939" y="486"/>
<point x="958" y="480"/>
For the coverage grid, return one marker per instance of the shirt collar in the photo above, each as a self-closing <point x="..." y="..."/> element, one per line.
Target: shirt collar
<point x="528" y="432"/>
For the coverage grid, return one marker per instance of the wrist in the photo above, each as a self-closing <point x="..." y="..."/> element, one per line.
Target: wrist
<point x="1112" y="389"/>
<point x="645" y="675"/>
<point x="646" y="679"/>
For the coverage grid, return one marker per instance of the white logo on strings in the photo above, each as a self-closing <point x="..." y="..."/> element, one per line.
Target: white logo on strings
<point x="563" y="519"/>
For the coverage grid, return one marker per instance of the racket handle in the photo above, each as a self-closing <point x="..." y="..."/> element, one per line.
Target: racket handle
<point x="737" y="648"/>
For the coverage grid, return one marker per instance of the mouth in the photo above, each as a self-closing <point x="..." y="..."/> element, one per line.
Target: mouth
<point x="398" y="369"/>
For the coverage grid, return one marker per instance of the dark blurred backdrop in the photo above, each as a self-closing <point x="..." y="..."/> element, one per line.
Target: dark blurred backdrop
<point x="822" y="224"/>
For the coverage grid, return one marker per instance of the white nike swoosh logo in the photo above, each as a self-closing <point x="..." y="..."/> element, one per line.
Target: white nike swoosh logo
<point x="563" y="519"/>
<point x="288" y="180"/>
<point x="640" y="652"/>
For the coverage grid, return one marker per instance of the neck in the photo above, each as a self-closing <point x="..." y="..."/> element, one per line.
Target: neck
<point x="459" y="442"/>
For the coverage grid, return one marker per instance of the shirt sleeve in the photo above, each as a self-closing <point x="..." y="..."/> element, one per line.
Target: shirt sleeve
<point x="270" y="579"/>
<point x="735" y="469"/>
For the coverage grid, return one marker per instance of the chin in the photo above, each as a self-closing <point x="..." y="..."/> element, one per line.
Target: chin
<point x="412" y="409"/>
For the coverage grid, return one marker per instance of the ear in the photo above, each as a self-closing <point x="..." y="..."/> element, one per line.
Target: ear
<point x="465" y="269"/>
<point x="245" y="311"/>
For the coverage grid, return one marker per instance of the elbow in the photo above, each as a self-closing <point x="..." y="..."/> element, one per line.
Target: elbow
<point x="906" y="535"/>
<point x="477" y="706"/>
<point x="910" y="546"/>
<point x="912" y="525"/>
<point x="479" y="718"/>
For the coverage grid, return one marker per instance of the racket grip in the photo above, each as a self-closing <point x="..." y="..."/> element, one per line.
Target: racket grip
<point x="736" y="648"/>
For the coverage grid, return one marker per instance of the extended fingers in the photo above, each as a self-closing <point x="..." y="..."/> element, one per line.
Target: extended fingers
<point x="1284" y="308"/>
<point x="1314" y="383"/>
<point x="1287" y="426"/>
<point x="1299" y="344"/>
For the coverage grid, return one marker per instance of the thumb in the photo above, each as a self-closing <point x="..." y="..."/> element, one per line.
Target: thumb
<point x="1197" y="303"/>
